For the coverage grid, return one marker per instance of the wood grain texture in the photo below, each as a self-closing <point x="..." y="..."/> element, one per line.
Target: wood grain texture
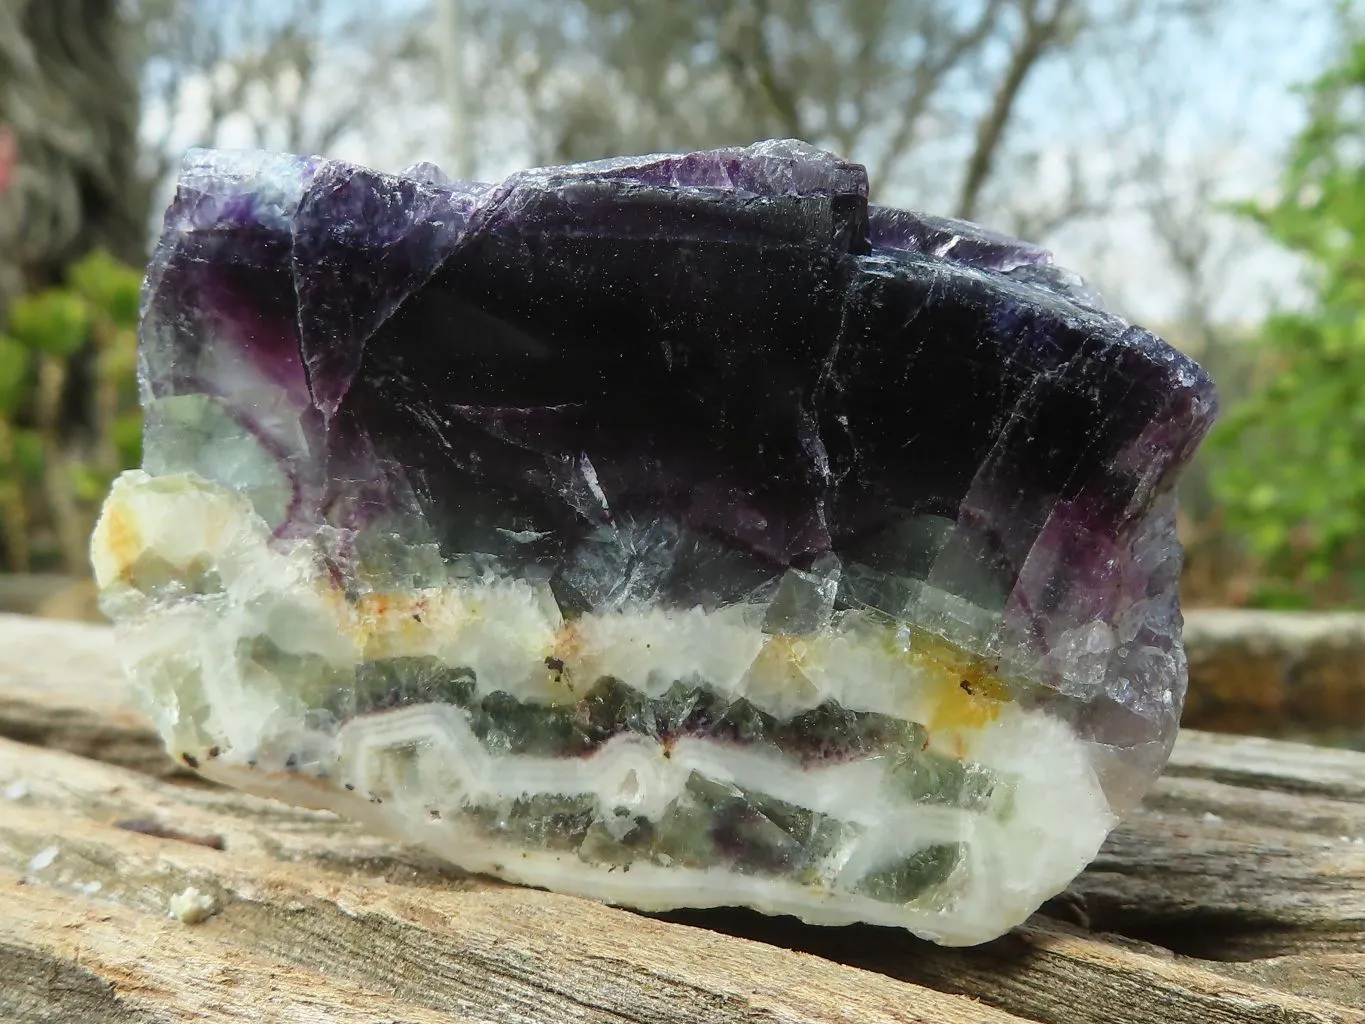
<point x="1235" y="894"/>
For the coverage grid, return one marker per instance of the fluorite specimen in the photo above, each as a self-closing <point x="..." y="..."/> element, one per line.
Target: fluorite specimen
<point x="675" y="530"/>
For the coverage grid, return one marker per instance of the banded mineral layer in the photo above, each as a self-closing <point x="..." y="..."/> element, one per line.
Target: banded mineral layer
<point x="674" y="530"/>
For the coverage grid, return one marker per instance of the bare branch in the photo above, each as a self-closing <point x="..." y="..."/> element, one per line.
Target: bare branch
<point x="745" y="47"/>
<point x="1042" y="29"/>
<point x="925" y="82"/>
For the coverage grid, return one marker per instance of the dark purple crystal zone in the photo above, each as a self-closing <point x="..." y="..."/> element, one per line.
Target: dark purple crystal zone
<point x="717" y="366"/>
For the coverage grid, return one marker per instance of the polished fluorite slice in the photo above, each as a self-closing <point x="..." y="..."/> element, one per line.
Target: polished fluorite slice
<point x="674" y="531"/>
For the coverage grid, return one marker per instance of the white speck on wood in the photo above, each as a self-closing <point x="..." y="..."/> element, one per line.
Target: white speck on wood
<point x="192" y="906"/>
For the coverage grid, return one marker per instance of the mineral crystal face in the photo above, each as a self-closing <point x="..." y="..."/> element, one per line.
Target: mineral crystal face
<point x="674" y="531"/>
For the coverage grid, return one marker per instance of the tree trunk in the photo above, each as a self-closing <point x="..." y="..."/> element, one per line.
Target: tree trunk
<point x="69" y="97"/>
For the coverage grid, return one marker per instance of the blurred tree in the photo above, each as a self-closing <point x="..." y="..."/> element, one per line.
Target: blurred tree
<point x="602" y="76"/>
<point x="69" y="106"/>
<point x="1292" y="473"/>
<point x="51" y="487"/>
<point x="926" y="93"/>
<point x="98" y="98"/>
<point x="69" y="115"/>
<point x="1063" y="121"/>
<point x="291" y="75"/>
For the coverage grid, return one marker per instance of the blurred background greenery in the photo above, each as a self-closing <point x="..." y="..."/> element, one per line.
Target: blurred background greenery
<point x="1202" y="161"/>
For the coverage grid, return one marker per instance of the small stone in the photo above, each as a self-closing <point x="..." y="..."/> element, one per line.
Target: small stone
<point x="191" y="906"/>
<point x="679" y="530"/>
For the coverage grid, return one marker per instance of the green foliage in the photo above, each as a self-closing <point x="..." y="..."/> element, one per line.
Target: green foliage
<point x="59" y="321"/>
<point x="53" y="322"/>
<point x="55" y="467"/>
<point x="88" y="485"/>
<point x="28" y="456"/>
<point x="128" y="438"/>
<point x="108" y="286"/>
<point x="1292" y="472"/>
<point x="14" y="372"/>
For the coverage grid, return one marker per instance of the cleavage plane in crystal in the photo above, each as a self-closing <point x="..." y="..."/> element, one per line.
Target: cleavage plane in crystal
<point x="673" y="531"/>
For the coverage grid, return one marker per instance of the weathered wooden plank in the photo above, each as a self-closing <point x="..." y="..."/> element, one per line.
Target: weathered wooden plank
<point x="1259" y="763"/>
<point x="1335" y="977"/>
<point x="61" y="686"/>
<point x="1244" y="840"/>
<point x="1205" y="867"/>
<point x="1247" y="849"/>
<point x="1057" y="973"/>
<point x="1053" y="973"/>
<point x="322" y="895"/>
<point x="1277" y="673"/>
<point x="1254" y="873"/>
<point x="68" y="958"/>
<point x="441" y="943"/>
<point x="35" y="779"/>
